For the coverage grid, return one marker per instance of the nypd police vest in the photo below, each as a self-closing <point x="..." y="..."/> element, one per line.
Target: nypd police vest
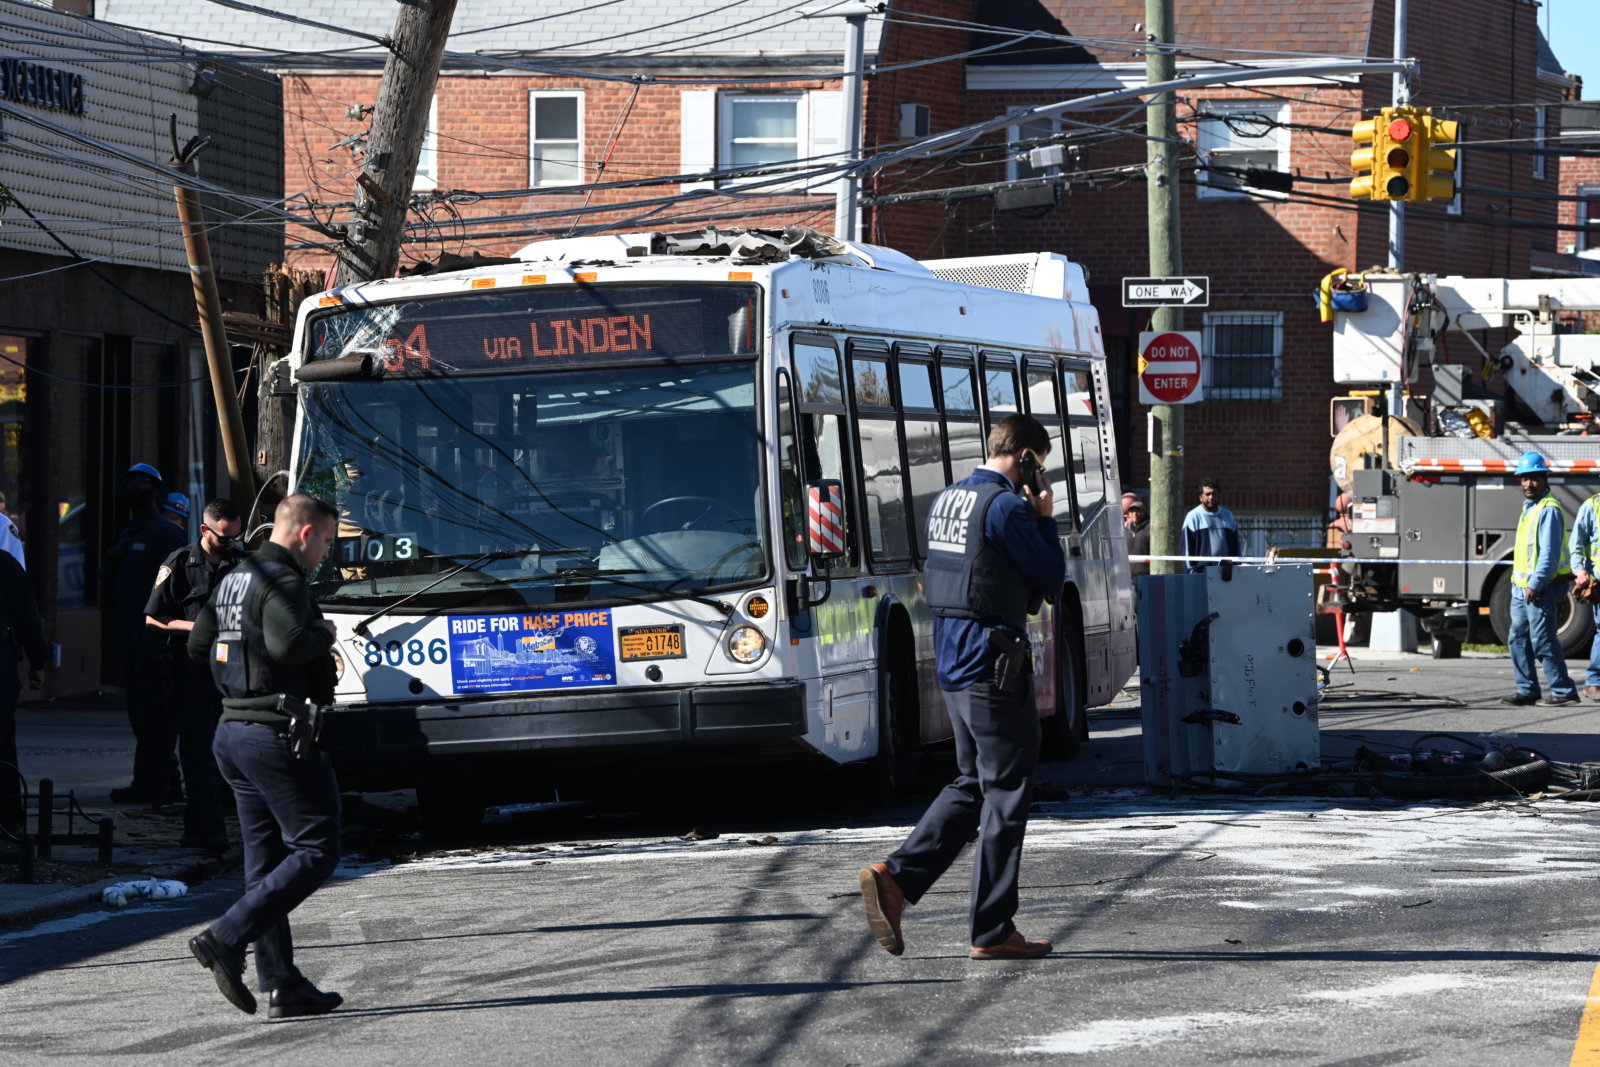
<point x="240" y="665"/>
<point x="967" y="577"/>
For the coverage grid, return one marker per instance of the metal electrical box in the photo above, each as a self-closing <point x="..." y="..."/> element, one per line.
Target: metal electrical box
<point x="1228" y="673"/>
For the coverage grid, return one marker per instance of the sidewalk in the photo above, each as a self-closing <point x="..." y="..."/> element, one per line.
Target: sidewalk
<point x="88" y="750"/>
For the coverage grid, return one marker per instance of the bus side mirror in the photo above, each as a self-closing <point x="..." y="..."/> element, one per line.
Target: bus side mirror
<point x="826" y="535"/>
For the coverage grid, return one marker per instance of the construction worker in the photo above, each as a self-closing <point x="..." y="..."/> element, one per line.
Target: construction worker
<point x="1540" y="569"/>
<point x="1583" y="558"/>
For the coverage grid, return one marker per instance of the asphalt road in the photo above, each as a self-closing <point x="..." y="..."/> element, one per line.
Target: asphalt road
<point x="1219" y="929"/>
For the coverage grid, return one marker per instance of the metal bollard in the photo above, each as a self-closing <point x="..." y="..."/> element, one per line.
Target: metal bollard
<point x="105" y="841"/>
<point x="47" y="805"/>
<point x="25" y="860"/>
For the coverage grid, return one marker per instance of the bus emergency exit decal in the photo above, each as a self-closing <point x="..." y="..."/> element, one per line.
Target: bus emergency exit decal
<point x="550" y="650"/>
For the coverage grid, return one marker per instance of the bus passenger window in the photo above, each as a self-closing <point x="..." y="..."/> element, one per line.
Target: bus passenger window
<point x="791" y="479"/>
<point x="924" y="449"/>
<point x="882" y="479"/>
<point x="999" y="386"/>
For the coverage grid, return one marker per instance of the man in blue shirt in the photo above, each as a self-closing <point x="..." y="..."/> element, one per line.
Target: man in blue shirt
<point x="1539" y="572"/>
<point x="993" y="556"/>
<point x="1583" y="558"/>
<point x="1210" y="529"/>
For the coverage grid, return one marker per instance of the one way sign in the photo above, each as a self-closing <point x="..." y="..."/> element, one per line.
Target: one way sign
<point x="1166" y="292"/>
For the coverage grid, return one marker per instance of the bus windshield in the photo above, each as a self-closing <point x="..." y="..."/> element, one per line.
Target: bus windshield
<point x="632" y="483"/>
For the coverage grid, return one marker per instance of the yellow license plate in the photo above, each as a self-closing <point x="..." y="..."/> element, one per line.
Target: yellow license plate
<point x="651" y="642"/>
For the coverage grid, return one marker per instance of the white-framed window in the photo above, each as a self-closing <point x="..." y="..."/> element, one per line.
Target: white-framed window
<point x="555" y="137"/>
<point x="1588" y="214"/>
<point x="427" y="176"/>
<point x="1539" y="142"/>
<point x="1238" y="136"/>
<point x="1245" y="355"/>
<point x="735" y="131"/>
<point x="1027" y="130"/>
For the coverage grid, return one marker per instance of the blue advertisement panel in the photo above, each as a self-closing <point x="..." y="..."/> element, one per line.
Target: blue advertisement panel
<point x="548" y="650"/>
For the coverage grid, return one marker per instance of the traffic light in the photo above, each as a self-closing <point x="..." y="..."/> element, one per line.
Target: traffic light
<point x="1385" y="150"/>
<point x="1436" y="159"/>
<point x="1366" y="137"/>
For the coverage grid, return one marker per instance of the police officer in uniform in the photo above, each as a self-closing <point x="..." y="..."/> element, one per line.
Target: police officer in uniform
<point x="130" y="572"/>
<point x="993" y="557"/>
<point x="268" y="647"/>
<point x="183" y="585"/>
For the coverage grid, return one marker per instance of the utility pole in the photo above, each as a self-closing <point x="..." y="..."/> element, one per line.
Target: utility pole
<point x="372" y="245"/>
<point x="846" y="223"/>
<point x="235" y="450"/>
<point x="1166" y="261"/>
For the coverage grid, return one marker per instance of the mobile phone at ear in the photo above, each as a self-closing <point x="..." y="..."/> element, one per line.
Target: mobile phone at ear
<point x="1032" y="476"/>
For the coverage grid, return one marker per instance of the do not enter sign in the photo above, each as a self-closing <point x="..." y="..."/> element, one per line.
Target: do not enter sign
<point x="1169" y="368"/>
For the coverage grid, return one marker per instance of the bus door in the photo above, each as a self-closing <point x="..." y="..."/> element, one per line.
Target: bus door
<point x="1091" y="561"/>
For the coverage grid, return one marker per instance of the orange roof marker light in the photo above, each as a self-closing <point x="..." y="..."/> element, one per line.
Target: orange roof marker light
<point x="533" y="279"/>
<point x="483" y="283"/>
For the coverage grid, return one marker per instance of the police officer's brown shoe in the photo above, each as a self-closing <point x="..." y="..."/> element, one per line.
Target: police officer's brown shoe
<point x="226" y="966"/>
<point x="1015" y="947"/>
<point x="301" y="999"/>
<point x="883" y="901"/>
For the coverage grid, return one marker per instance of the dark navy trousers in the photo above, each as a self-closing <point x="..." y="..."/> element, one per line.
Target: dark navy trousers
<point x="198" y="706"/>
<point x="289" y="821"/>
<point x="997" y="751"/>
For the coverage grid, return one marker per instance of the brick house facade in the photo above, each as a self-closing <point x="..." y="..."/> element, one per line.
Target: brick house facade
<point x="1263" y="428"/>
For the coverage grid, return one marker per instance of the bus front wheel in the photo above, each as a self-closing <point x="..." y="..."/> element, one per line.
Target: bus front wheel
<point x="1061" y="734"/>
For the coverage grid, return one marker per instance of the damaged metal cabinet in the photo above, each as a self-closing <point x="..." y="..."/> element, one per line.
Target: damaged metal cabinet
<point x="1228" y="673"/>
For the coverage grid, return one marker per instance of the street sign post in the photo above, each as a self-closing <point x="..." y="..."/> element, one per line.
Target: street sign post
<point x="1169" y="367"/>
<point x="1166" y="292"/>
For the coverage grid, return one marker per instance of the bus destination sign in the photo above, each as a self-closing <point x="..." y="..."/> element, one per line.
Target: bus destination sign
<point x="488" y="333"/>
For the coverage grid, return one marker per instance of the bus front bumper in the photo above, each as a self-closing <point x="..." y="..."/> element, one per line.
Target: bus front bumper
<point x="730" y="715"/>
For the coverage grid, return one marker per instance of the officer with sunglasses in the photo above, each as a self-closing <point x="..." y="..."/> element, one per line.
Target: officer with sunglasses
<point x="183" y="585"/>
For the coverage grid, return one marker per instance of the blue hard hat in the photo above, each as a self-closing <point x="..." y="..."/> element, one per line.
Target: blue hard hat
<point x="176" y="504"/>
<point x="1532" y="463"/>
<point x="145" y="469"/>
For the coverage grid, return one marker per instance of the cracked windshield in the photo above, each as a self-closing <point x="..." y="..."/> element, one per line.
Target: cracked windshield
<point x="628" y="483"/>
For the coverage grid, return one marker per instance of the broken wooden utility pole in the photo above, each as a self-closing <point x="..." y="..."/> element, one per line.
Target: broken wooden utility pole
<point x="371" y="246"/>
<point x="219" y="357"/>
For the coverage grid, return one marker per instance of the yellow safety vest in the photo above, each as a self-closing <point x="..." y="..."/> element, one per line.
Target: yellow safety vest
<point x="1525" y="559"/>
<point x="1594" y="545"/>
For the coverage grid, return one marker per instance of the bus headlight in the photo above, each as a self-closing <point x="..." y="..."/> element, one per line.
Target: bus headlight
<point x="746" y="644"/>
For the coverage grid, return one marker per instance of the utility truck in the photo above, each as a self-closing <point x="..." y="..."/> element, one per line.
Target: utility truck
<point x="1433" y="504"/>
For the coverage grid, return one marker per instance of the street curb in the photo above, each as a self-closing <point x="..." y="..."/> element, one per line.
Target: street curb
<point x="80" y="897"/>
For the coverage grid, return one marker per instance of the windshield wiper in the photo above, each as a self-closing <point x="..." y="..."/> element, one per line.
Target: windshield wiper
<point x="477" y="561"/>
<point x="611" y="576"/>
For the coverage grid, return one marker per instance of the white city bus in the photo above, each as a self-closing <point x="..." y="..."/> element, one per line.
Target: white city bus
<point x="646" y="497"/>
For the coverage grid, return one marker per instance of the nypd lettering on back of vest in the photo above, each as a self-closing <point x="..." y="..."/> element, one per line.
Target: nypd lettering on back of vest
<point x="950" y="523"/>
<point x="232" y="592"/>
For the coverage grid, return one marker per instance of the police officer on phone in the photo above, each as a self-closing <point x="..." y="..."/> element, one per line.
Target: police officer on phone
<point x="993" y="557"/>
<point x="268" y="646"/>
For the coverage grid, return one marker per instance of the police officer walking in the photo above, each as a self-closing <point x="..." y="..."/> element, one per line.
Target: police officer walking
<point x="1539" y="572"/>
<point x="268" y="646"/>
<point x="130" y="570"/>
<point x="993" y="557"/>
<point x="183" y="585"/>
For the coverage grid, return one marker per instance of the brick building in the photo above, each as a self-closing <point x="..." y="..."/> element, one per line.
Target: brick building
<point x="530" y="113"/>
